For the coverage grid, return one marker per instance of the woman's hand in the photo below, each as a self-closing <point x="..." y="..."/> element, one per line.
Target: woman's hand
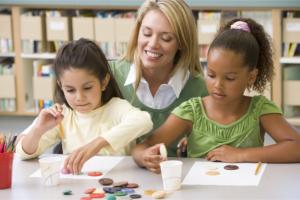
<point x="75" y="161"/>
<point x="226" y="153"/>
<point x="150" y="158"/>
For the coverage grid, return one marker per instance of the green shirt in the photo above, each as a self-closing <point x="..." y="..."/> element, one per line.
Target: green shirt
<point x="207" y="134"/>
<point x="194" y="87"/>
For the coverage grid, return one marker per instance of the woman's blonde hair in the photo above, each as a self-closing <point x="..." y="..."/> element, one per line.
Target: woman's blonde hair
<point x="182" y="23"/>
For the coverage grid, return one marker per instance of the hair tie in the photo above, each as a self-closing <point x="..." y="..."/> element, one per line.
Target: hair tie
<point x="240" y="25"/>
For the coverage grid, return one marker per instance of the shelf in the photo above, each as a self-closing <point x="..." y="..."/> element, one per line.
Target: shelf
<point x="290" y="60"/>
<point x="11" y="55"/>
<point x="123" y="4"/>
<point x="294" y="121"/>
<point x="38" y="55"/>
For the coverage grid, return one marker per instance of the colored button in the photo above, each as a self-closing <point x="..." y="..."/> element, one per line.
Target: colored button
<point x="67" y="192"/>
<point x="135" y="196"/>
<point x="95" y="173"/>
<point x="89" y="190"/>
<point x="106" y="181"/>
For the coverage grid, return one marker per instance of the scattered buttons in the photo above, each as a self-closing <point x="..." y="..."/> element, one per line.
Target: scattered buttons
<point x="106" y="181"/>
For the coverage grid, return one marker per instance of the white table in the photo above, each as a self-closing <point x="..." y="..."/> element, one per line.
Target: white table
<point x="279" y="181"/>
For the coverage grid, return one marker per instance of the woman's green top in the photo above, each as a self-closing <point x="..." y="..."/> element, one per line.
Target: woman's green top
<point x="207" y="134"/>
<point x="194" y="87"/>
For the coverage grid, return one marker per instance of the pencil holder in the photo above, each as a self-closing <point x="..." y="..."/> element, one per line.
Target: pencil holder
<point x="6" y="167"/>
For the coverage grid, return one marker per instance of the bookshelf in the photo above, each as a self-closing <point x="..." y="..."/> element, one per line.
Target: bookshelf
<point x="22" y="59"/>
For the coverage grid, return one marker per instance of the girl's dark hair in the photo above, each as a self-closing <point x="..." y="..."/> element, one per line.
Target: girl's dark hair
<point x="254" y="46"/>
<point x="84" y="54"/>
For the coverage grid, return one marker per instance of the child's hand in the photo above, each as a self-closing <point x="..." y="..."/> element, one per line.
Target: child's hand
<point x="151" y="158"/>
<point x="182" y="148"/>
<point x="75" y="161"/>
<point x="225" y="153"/>
<point x="49" y="118"/>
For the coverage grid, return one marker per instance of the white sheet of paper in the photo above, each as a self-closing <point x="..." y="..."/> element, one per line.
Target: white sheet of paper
<point x="97" y="163"/>
<point x="244" y="176"/>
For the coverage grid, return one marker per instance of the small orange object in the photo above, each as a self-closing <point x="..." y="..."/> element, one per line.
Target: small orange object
<point x="95" y="173"/>
<point x="97" y="195"/>
<point x="86" y="198"/>
<point x="89" y="190"/>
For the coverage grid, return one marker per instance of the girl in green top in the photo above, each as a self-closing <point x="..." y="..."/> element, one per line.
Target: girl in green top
<point x="228" y="126"/>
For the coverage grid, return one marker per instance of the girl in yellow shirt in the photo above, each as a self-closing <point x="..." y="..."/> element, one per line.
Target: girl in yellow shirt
<point x="89" y="117"/>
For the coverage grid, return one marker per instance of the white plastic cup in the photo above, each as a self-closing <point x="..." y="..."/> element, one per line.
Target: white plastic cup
<point x="171" y="174"/>
<point x="50" y="170"/>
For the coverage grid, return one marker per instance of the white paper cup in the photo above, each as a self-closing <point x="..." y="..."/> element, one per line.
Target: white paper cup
<point x="171" y="174"/>
<point x="50" y="170"/>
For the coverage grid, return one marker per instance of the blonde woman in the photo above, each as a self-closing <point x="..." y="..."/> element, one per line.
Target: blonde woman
<point x="161" y="68"/>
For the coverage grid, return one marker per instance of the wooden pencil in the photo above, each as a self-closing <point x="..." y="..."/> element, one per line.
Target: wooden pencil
<point x="258" y="166"/>
<point x="61" y="131"/>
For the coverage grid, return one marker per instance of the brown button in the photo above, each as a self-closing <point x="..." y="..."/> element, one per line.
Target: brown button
<point x="121" y="184"/>
<point x="132" y="185"/>
<point x="231" y="167"/>
<point x="105" y="181"/>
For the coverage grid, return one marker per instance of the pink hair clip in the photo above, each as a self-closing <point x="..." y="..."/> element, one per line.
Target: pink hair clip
<point x="240" y="25"/>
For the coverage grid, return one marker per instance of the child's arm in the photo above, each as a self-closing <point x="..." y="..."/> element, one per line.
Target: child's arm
<point x="286" y="149"/>
<point x="46" y="120"/>
<point x="168" y="132"/>
<point x="130" y="123"/>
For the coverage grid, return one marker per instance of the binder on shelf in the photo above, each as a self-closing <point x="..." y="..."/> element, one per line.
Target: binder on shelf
<point x="105" y="30"/>
<point x="43" y="84"/>
<point x="58" y="28"/>
<point x="207" y="28"/>
<point x="33" y="27"/>
<point x="43" y="88"/>
<point x="123" y="29"/>
<point x="291" y="84"/>
<point x="5" y="27"/>
<point x="33" y="31"/>
<point x="83" y="27"/>
<point x="7" y="86"/>
<point x="6" y="44"/>
<point x="7" y="90"/>
<point x="105" y="35"/>
<point x="291" y="30"/>
<point x="291" y="96"/>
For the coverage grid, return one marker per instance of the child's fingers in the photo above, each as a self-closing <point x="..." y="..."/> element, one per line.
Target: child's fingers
<point x="78" y="162"/>
<point x="71" y="163"/>
<point x="66" y="163"/>
<point x="58" y="107"/>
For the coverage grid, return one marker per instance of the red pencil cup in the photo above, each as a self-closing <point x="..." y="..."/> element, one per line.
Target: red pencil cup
<point x="6" y="166"/>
